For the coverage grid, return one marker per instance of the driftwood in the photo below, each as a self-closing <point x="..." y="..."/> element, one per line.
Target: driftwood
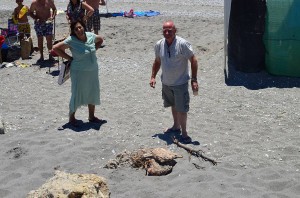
<point x="193" y="152"/>
<point x="155" y="169"/>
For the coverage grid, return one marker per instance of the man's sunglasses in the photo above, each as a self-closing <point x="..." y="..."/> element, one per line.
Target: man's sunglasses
<point x="170" y="31"/>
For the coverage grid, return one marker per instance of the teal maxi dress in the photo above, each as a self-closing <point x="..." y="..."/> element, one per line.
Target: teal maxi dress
<point x="85" y="86"/>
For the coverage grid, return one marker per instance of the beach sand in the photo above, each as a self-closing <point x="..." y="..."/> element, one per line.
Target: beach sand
<point x="249" y="123"/>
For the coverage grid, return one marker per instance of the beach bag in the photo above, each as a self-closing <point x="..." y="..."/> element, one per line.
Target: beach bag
<point x="22" y="12"/>
<point x="26" y="47"/>
<point x="64" y="72"/>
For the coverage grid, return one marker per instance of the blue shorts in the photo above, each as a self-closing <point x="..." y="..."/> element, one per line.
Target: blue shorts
<point x="43" y="28"/>
<point x="177" y="96"/>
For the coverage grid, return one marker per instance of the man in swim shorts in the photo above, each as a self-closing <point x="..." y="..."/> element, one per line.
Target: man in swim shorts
<point x="43" y="13"/>
<point x="93" y="22"/>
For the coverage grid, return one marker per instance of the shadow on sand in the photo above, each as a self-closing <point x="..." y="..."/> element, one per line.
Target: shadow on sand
<point x="82" y="126"/>
<point x="168" y="138"/>
<point x="52" y="66"/>
<point x="256" y="81"/>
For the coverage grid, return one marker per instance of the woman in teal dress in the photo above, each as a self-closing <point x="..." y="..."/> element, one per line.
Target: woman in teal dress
<point x="84" y="69"/>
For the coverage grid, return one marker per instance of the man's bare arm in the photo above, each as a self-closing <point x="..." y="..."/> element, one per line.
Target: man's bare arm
<point x="194" y="66"/>
<point x="53" y="7"/>
<point x="194" y="70"/>
<point x="155" y="69"/>
<point x="32" y="11"/>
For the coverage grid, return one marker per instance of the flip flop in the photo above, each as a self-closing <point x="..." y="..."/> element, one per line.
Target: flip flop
<point x="186" y="140"/>
<point x="95" y="120"/>
<point x="171" y="130"/>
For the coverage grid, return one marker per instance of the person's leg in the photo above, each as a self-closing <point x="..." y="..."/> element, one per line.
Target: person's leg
<point x="168" y="98"/>
<point x="96" y="23"/>
<point x="40" y="45"/>
<point x="89" y="24"/>
<point x="182" y="119"/>
<point x="176" y="121"/>
<point x="92" y="117"/>
<point x="72" y="118"/>
<point x="49" y="45"/>
<point x="91" y="111"/>
<point x="49" y="42"/>
<point x="48" y="32"/>
<point x="21" y="36"/>
<point x="182" y="100"/>
<point x="21" y="31"/>
<point x="38" y="27"/>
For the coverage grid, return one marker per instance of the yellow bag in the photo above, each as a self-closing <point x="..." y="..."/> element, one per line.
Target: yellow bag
<point x="26" y="47"/>
<point x="22" y="12"/>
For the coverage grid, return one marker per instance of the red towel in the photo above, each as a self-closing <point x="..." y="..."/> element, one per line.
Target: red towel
<point x="2" y="39"/>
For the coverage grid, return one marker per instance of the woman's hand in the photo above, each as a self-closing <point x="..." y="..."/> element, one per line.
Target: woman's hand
<point x="85" y="18"/>
<point x="98" y="41"/>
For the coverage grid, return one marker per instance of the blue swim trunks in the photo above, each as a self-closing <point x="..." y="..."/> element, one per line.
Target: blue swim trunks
<point x="43" y="28"/>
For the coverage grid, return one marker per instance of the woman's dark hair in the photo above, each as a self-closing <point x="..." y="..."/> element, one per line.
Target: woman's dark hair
<point x="73" y="24"/>
<point x="72" y="5"/>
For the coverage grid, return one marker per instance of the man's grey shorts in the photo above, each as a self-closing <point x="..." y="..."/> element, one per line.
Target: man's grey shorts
<point x="177" y="96"/>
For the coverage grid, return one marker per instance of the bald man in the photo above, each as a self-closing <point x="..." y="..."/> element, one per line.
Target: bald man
<point x="172" y="54"/>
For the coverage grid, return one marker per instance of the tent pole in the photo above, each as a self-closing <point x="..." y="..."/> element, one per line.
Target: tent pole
<point x="106" y="6"/>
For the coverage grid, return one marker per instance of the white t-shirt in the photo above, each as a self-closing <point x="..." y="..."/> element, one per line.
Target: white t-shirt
<point x="174" y="60"/>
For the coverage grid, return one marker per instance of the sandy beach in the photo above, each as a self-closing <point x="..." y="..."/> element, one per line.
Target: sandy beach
<point x="249" y="123"/>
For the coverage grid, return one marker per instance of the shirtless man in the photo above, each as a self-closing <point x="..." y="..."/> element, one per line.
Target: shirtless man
<point x="93" y="22"/>
<point x="40" y="11"/>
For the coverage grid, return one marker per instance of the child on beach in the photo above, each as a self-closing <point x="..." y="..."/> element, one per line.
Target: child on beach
<point x="20" y="15"/>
